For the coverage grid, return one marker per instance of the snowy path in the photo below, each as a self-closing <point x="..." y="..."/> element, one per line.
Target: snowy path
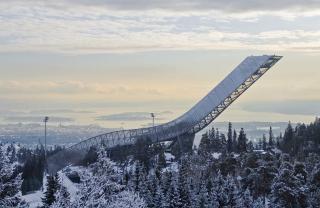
<point x="34" y="199"/>
<point x="71" y="187"/>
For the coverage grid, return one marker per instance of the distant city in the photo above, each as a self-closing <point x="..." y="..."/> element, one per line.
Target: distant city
<point x="31" y="133"/>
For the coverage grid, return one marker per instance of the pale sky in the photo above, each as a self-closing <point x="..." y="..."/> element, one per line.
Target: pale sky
<point x="111" y="62"/>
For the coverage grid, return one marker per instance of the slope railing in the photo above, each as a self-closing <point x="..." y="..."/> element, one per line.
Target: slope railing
<point x="193" y="121"/>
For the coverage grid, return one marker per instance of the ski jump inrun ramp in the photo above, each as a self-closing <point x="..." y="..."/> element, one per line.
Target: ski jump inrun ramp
<point x="191" y="122"/>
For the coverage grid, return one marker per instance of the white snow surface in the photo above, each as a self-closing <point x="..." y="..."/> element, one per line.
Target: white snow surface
<point x="71" y="187"/>
<point x="169" y="156"/>
<point x="216" y="155"/>
<point x="33" y="199"/>
<point x="173" y="167"/>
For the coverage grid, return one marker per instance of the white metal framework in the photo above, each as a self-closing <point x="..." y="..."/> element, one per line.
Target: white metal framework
<point x="194" y="120"/>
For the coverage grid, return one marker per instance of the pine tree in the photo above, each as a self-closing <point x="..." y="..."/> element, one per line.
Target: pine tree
<point x="203" y="198"/>
<point x="288" y="139"/>
<point x="234" y="141"/>
<point x="287" y="189"/>
<point x="242" y="141"/>
<point x="260" y="203"/>
<point x="215" y="143"/>
<point x="101" y="188"/>
<point x="136" y="176"/>
<point x="245" y="201"/>
<point x="271" y="137"/>
<point x="159" y="197"/>
<point x="62" y="198"/>
<point x="231" y="191"/>
<point x="10" y="182"/>
<point x="218" y="196"/>
<point x="278" y="139"/>
<point x="183" y="185"/>
<point x="229" y="141"/>
<point x="264" y="142"/>
<point x="173" y="195"/>
<point x="162" y="159"/>
<point x="315" y="187"/>
<point x="250" y="146"/>
<point x="51" y="188"/>
<point x="161" y="163"/>
<point x="166" y="181"/>
<point x="205" y="143"/>
<point x="143" y="188"/>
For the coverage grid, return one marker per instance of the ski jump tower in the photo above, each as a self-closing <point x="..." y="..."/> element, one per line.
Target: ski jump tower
<point x="183" y="128"/>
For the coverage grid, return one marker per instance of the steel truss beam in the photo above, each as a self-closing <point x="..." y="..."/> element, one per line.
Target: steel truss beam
<point x="233" y="96"/>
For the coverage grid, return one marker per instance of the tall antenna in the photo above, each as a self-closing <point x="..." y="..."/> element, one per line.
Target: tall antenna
<point x="153" y="116"/>
<point x="45" y="120"/>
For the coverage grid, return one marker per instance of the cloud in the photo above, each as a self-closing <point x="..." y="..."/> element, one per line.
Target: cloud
<point x="183" y="5"/>
<point x="71" y="88"/>
<point x="60" y="111"/>
<point x="36" y="119"/>
<point x="122" y="26"/>
<point x="290" y="107"/>
<point x="133" y="116"/>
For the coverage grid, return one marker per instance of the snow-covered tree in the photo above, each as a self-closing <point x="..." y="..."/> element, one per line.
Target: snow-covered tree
<point x="260" y="203"/>
<point x="51" y="187"/>
<point x="271" y="137"/>
<point x="231" y="191"/>
<point x="159" y="198"/>
<point x="242" y="141"/>
<point x="102" y="188"/>
<point x="245" y="200"/>
<point x="173" y="195"/>
<point x="203" y="197"/>
<point x="315" y="187"/>
<point x="183" y="184"/>
<point x="264" y="142"/>
<point x="288" y="190"/>
<point x="229" y="139"/>
<point x="125" y="199"/>
<point x="10" y="182"/>
<point x="205" y="143"/>
<point x="62" y="198"/>
<point x="234" y="141"/>
<point x="217" y="194"/>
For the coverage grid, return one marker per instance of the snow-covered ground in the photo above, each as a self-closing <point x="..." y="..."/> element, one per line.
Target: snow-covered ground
<point x="216" y="155"/>
<point x="173" y="167"/>
<point x="71" y="187"/>
<point x="169" y="157"/>
<point x="34" y="199"/>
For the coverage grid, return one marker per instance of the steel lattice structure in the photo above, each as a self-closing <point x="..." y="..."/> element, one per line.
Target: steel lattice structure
<point x="193" y="121"/>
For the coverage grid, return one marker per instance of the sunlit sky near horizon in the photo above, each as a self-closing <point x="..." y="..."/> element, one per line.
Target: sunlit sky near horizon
<point x="112" y="62"/>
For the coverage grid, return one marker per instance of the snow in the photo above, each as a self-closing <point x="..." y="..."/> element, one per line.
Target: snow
<point x="276" y="150"/>
<point x="260" y="151"/>
<point x="173" y="167"/>
<point x="236" y="155"/>
<point x="71" y="187"/>
<point x="33" y="199"/>
<point x="216" y="155"/>
<point x="169" y="156"/>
